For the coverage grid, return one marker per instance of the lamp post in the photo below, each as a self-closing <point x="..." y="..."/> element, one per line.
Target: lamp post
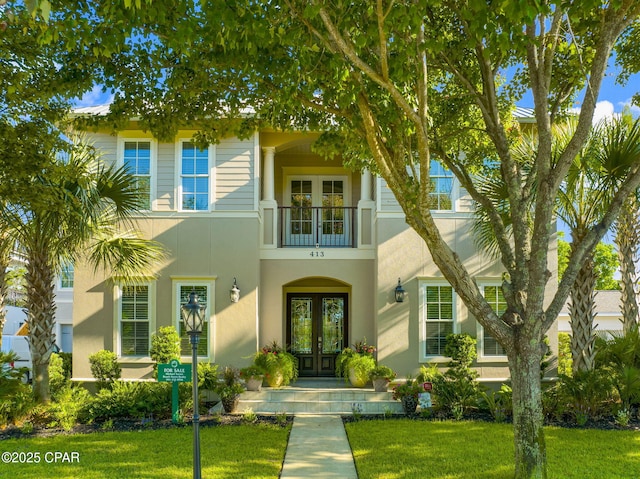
<point x="193" y="317"/>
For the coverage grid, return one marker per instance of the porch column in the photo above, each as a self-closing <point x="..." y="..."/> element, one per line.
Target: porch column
<point x="268" y="205"/>
<point x="269" y="154"/>
<point x="366" y="208"/>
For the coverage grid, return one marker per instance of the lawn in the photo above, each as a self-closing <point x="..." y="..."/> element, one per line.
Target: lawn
<point x="403" y="449"/>
<point x="245" y="451"/>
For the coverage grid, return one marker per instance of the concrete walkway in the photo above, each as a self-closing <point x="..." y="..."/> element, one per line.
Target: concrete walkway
<point x="318" y="448"/>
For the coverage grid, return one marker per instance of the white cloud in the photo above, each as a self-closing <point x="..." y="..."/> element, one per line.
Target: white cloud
<point x="604" y="110"/>
<point x="95" y="97"/>
<point x="635" y="109"/>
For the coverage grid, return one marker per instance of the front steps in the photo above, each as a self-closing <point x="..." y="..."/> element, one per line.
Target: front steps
<point x="319" y="396"/>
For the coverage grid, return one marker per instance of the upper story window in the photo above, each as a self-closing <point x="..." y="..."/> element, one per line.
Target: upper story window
<point x="194" y="178"/>
<point x="441" y="194"/>
<point x="495" y="297"/>
<point x="438" y="305"/>
<point x="137" y="161"/>
<point x="66" y="276"/>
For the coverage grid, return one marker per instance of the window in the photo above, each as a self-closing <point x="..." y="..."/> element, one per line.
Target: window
<point x="495" y="297"/>
<point x="203" y="292"/>
<point x="137" y="161"/>
<point x="194" y="178"/>
<point x="135" y="315"/>
<point x="438" y="313"/>
<point x="66" y="276"/>
<point x="441" y="187"/>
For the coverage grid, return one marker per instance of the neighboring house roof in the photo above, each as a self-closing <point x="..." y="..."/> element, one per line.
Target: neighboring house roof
<point x="607" y="303"/>
<point x="524" y="115"/>
<point x="92" y="110"/>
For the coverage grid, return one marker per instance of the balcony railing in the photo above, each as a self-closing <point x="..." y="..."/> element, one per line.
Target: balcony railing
<point x="316" y="227"/>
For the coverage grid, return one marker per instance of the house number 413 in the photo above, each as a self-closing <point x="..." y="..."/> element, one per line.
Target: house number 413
<point x="317" y="254"/>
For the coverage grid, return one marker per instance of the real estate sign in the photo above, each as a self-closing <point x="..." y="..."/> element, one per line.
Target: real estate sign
<point x="175" y="373"/>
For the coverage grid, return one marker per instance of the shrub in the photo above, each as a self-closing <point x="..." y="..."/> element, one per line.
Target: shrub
<point x="126" y="399"/>
<point x="565" y="362"/>
<point x="69" y="407"/>
<point x="58" y="379"/>
<point x="104" y="367"/>
<point x="585" y="395"/>
<point x="274" y="361"/>
<point x="498" y="403"/>
<point x="165" y="346"/>
<point x="16" y="398"/>
<point x="207" y="375"/>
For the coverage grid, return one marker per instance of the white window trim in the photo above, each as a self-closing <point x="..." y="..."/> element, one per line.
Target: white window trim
<point x="178" y="176"/>
<point x="60" y="286"/>
<point x="153" y="180"/>
<point x="422" y="314"/>
<point x="209" y="283"/>
<point x="455" y="193"/>
<point x="482" y="358"/>
<point x="118" y="317"/>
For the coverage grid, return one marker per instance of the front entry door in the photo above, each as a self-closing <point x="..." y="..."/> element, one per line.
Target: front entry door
<point x="317" y="330"/>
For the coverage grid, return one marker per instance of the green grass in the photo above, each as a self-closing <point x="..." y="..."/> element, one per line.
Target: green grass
<point x="403" y="449"/>
<point x="247" y="451"/>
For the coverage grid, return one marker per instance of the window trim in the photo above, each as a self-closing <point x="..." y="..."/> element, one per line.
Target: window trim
<point x="211" y="170"/>
<point x="118" y="321"/>
<point x="422" y="312"/>
<point x="209" y="283"/>
<point x="61" y="287"/>
<point x="454" y="195"/>
<point x="153" y="168"/>
<point x="482" y="357"/>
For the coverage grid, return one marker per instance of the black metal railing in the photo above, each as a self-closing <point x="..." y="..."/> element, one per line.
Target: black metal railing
<point x="323" y="226"/>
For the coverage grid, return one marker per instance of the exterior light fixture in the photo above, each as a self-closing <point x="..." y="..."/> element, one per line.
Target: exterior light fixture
<point x="400" y="292"/>
<point x="235" y="292"/>
<point x="193" y="317"/>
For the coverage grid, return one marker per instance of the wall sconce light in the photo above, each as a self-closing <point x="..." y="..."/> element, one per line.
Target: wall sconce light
<point x="234" y="294"/>
<point x="399" y="292"/>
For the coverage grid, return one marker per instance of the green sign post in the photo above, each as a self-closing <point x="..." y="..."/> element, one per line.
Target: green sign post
<point x="174" y="373"/>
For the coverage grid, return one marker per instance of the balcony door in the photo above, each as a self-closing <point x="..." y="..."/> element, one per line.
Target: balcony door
<point x="317" y="214"/>
<point x="317" y="330"/>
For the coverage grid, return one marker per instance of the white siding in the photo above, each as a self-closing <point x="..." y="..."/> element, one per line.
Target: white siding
<point x="165" y="180"/>
<point x="106" y="144"/>
<point x="235" y="186"/>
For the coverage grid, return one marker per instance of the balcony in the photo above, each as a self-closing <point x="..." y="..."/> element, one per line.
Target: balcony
<point x="327" y="227"/>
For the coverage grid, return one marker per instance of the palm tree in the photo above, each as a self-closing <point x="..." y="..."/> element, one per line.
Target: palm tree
<point x="627" y="240"/>
<point x="90" y="207"/>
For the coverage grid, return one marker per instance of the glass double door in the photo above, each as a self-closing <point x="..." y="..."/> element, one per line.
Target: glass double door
<point x="317" y="330"/>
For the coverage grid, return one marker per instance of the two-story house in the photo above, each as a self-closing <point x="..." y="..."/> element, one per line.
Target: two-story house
<point x="317" y="251"/>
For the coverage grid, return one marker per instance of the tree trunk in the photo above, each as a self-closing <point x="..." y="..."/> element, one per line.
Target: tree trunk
<point x="40" y="317"/>
<point x="528" y="434"/>
<point x="628" y="239"/>
<point x="582" y="314"/>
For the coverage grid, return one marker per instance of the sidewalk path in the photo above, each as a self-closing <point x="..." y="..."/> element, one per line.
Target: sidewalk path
<point x="318" y="448"/>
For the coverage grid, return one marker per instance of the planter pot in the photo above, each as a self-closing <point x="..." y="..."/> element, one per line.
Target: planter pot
<point x="356" y="380"/>
<point x="380" y="385"/>
<point x="275" y="380"/>
<point x="230" y="403"/>
<point x="254" y="383"/>
<point x="409" y="405"/>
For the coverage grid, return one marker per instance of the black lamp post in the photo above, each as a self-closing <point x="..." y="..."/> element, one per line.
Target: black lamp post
<point x="193" y="317"/>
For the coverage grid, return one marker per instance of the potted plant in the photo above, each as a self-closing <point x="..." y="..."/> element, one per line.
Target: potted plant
<point x="253" y="377"/>
<point x="355" y="364"/>
<point x="408" y="393"/>
<point x="280" y="367"/>
<point x="229" y="389"/>
<point x="381" y="376"/>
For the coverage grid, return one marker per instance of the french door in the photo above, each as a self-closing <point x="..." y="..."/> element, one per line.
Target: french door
<point x="317" y="213"/>
<point x="317" y="330"/>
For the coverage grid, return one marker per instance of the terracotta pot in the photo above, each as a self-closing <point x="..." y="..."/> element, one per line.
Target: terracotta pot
<point x="254" y="383"/>
<point x="380" y="385"/>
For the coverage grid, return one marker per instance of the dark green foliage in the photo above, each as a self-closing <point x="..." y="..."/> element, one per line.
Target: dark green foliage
<point x="135" y="400"/>
<point x="16" y="397"/>
<point x="68" y="407"/>
<point x="229" y="385"/>
<point x="165" y="346"/>
<point x="585" y="395"/>
<point x="59" y="378"/>
<point x="207" y="375"/>
<point x="104" y="367"/>
<point x="498" y="403"/>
